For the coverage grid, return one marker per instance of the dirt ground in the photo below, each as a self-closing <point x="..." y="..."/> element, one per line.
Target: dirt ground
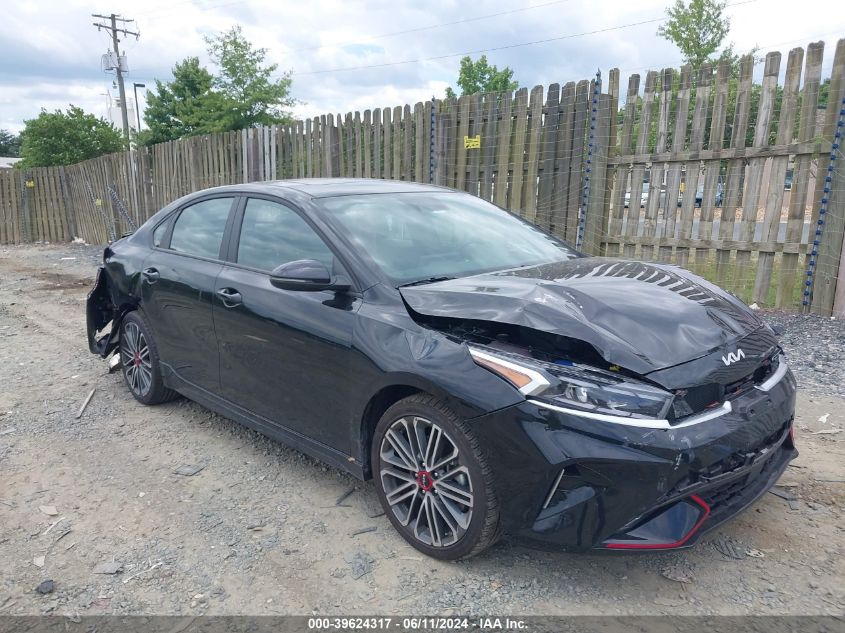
<point x="259" y="529"/>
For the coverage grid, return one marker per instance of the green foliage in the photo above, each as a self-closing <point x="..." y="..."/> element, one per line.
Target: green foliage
<point x="10" y="144"/>
<point x="242" y="95"/>
<point x="185" y="106"/>
<point x="251" y="96"/>
<point x="479" y="76"/>
<point x="64" y="138"/>
<point x="824" y="93"/>
<point x="697" y="29"/>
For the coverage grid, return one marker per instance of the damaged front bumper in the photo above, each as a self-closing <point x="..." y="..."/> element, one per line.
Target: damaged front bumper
<point x="580" y="483"/>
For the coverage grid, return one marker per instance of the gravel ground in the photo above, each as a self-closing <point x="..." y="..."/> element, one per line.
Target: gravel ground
<point x="816" y="349"/>
<point x="258" y="529"/>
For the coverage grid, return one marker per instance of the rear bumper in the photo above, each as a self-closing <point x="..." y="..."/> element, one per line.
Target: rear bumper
<point x="583" y="484"/>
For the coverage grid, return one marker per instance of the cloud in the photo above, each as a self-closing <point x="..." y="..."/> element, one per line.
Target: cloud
<point x="50" y="51"/>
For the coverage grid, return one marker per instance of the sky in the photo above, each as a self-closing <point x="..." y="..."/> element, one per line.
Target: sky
<point x="50" y="51"/>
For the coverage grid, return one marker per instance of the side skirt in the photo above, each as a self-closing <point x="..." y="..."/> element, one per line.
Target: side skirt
<point x="247" y="418"/>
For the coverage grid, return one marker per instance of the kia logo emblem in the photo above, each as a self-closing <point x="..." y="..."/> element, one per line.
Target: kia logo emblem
<point x="733" y="357"/>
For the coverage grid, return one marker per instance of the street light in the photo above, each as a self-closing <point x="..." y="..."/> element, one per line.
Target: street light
<point x="137" y="109"/>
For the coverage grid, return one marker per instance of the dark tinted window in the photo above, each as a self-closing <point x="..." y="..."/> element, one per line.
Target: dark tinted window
<point x="199" y="228"/>
<point x="160" y="230"/>
<point x="273" y="234"/>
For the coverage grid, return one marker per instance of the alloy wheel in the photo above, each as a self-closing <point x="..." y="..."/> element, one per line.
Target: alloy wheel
<point x="135" y="355"/>
<point x="426" y="484"/>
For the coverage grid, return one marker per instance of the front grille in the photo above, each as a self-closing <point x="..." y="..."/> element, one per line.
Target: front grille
<point x="758" y="376"/>
<point x="696" y="399"/>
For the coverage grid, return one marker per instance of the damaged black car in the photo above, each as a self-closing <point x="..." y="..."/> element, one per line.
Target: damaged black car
<point x="487" y="377"/>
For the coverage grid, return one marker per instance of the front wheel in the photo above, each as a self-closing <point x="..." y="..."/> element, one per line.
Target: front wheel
<point x="139" y="361"/>
<point x="432" y="480"/>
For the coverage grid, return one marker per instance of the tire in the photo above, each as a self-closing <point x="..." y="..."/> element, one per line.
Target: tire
<point x="139" y="362"/>
<point x="458" y="492"/>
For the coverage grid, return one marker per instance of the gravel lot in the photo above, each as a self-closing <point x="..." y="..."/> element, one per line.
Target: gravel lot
<point x="259" y="531"/>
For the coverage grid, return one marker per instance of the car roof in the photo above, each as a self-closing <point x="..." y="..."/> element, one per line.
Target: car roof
<point x="330" y="187"/>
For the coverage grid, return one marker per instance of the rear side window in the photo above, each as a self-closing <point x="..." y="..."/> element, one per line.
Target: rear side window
<point x="273" y="234"/>
<point x="199" y="228"/>
<point x="160" y="232"/>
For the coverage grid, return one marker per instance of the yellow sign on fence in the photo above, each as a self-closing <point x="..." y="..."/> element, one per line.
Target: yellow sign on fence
<point x="472" y="142"/>
<point x="30" y="184"/>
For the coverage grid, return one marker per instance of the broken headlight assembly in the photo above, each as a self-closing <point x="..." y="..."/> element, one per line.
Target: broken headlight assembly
<point x="575" y="388"/>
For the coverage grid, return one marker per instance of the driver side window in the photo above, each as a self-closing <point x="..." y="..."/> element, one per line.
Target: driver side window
<point x="273" y="234"/>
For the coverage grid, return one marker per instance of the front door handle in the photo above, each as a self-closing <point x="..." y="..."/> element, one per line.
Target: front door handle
<point x="151" y="275"/>
<point x="230" y="297"/>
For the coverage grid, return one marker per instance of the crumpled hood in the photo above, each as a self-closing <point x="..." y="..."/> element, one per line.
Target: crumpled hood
<point x="641" y="316"/>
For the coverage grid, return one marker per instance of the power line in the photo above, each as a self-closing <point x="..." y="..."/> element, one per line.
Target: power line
<point x="498" y="48"/>
<point x="160" y="12"/>
<point x="435" y="26"/>
<point x="485" y="50"/>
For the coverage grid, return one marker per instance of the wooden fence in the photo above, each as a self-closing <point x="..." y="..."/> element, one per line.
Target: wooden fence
<point x="692" y="171"/>
<point x="749" y="227"/>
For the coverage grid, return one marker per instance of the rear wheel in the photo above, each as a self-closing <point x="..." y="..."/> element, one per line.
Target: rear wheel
<point x="139" y="362"/>
<point x="433" y="481"/>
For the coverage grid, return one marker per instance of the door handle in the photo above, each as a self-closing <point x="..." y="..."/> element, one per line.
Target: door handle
<point x="151" y="275"/>
<point x="230" y="297"/>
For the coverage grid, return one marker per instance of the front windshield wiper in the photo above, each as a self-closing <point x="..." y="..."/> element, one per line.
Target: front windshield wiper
<point x="429" y="280"/>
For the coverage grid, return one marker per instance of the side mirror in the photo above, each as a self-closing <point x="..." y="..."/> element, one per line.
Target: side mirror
<point x="307" y="274"/>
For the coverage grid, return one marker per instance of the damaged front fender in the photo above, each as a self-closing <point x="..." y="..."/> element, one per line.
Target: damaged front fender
<point x="100" y="310"/>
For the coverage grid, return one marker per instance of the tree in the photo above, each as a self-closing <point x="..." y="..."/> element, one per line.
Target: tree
<point x="10" y="144"/>
<point x="185" y="106"/>
<point x="250" y="93"/>
<point x="698" y="29"/>
<point x="64" y="138"/>
<point x="824" y="93"/>
<point x="479" y="76"/>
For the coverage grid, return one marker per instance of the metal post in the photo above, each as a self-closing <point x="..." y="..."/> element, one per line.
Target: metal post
<point x="135" y="87"/>
<point x="585" y="185"/>
<point x="826" y="193"/>
<point x="432" y="158"/>
<point x="25" y="210"/>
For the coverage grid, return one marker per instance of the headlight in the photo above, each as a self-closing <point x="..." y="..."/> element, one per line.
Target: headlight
<point x="577" y="387"/>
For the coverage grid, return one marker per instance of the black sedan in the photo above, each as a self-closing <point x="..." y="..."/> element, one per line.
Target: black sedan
<point x="490" y="379"/>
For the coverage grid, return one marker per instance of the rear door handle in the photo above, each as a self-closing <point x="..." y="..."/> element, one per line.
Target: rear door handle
<point x="230" y="297"/>
<point x="151" y="275"/>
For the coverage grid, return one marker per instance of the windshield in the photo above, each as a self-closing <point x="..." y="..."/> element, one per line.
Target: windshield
<point x="419" y="236"/>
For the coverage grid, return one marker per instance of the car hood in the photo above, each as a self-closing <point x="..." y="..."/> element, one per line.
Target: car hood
<point x="641" y="316"/>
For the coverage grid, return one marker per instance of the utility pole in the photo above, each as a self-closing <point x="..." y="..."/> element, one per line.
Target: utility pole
<point x="113" y="19"/>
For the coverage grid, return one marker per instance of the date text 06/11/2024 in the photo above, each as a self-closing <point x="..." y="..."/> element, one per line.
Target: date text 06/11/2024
<point x="423" y="623"/>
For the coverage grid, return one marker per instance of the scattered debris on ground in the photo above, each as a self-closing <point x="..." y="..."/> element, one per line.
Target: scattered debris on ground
<point x="45" y="587"/>
<point x="85" y="403"/>
<point x="188" y="470"/>
<point x="108" y="568"/>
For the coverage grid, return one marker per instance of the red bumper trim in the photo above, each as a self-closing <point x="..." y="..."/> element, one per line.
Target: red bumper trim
<point x="705" y="512"/>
